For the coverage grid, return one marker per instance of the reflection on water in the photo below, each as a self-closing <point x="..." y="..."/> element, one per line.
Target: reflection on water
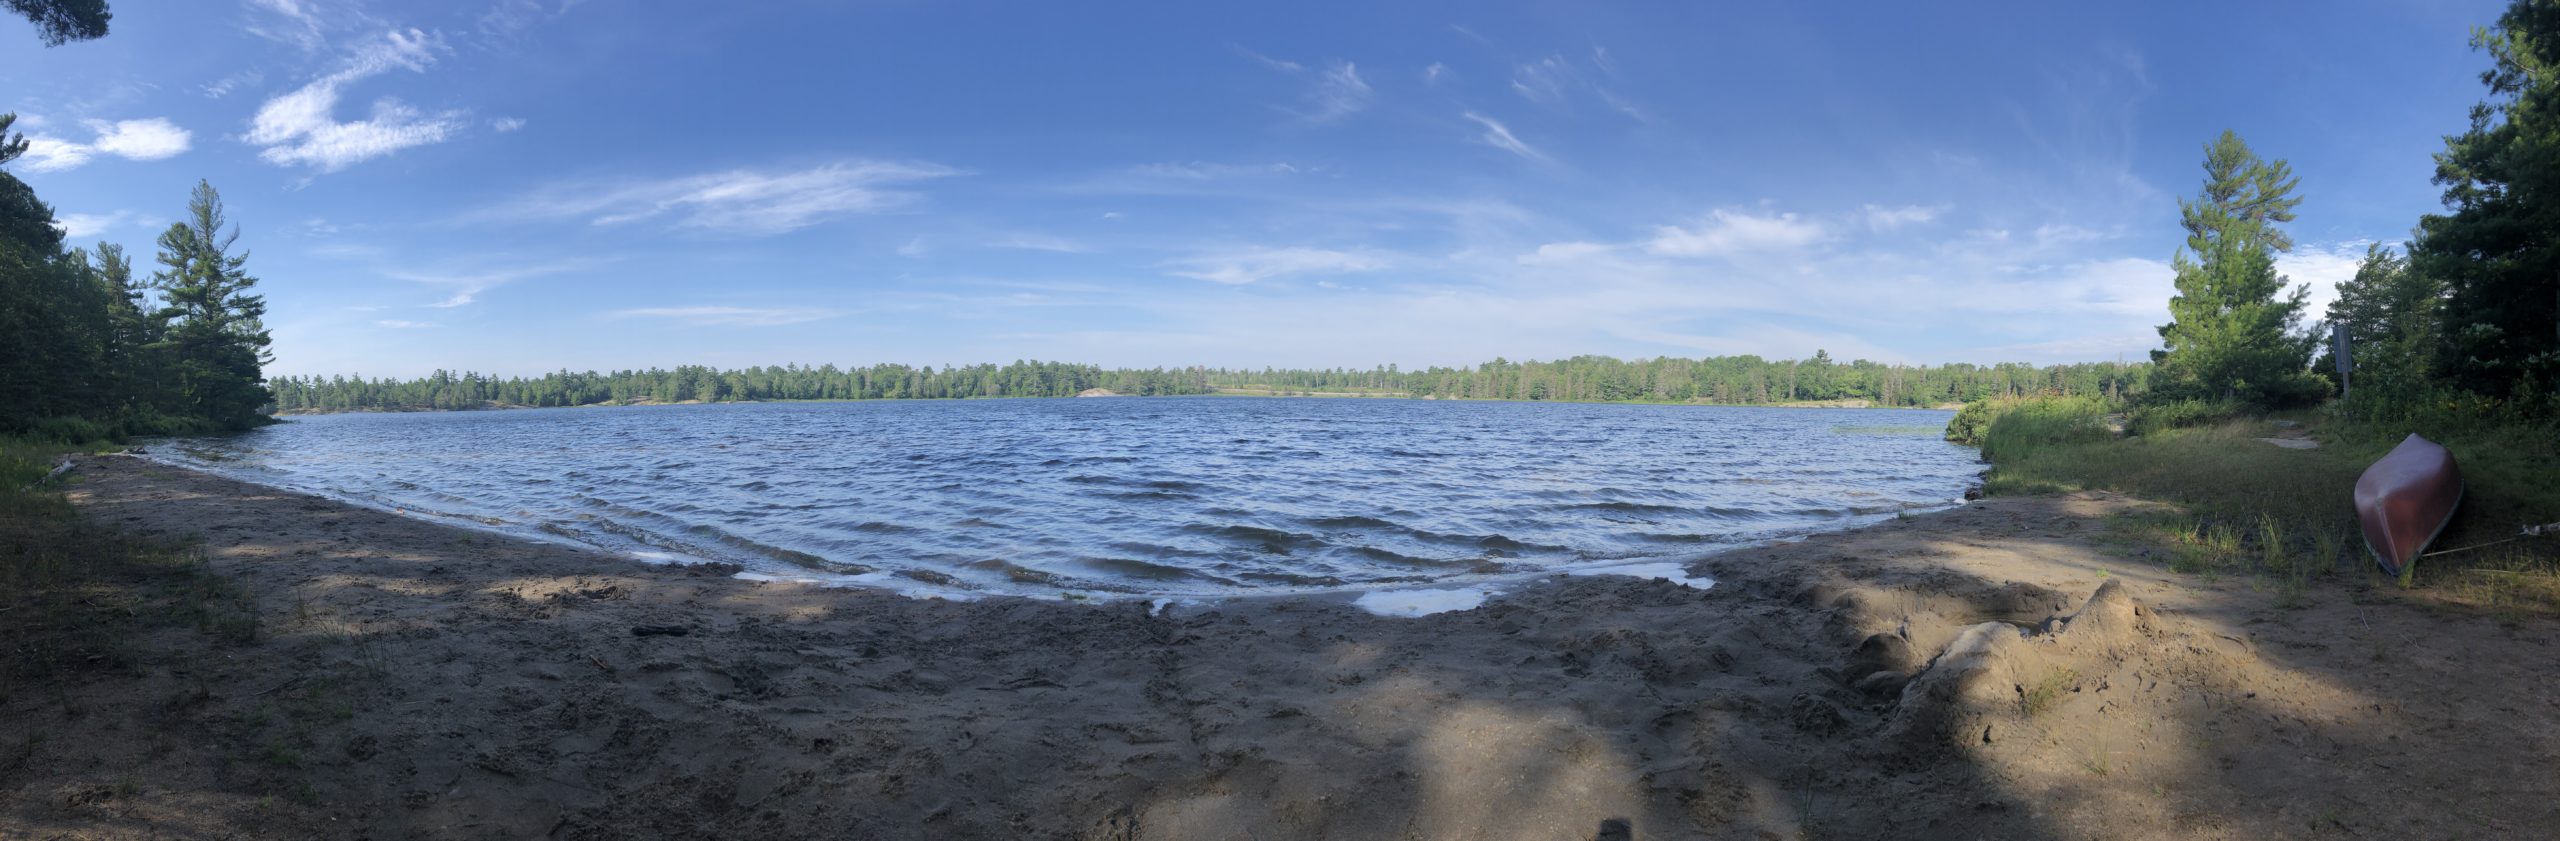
<point x="1162" y="496"/>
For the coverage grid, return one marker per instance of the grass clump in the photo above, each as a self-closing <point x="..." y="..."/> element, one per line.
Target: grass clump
<point x="2034" y="700"/>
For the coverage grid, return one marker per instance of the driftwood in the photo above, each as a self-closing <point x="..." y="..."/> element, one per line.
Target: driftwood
<point x="58" y="470"/>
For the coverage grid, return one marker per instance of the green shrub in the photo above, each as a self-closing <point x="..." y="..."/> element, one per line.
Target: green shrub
<point x="2154" y="418"/>
<point x="2028" y="424"/>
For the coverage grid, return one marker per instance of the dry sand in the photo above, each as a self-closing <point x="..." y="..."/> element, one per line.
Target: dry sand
<point x="414" y="680"/>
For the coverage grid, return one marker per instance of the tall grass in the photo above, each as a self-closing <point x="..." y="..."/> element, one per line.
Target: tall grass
<point x="2288" y="514"/>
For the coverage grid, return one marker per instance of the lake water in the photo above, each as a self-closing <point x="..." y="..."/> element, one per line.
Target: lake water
<point x="1155" y="497"/>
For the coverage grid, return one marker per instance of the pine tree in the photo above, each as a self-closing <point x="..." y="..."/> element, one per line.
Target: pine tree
<point x="217" y="339"/>
<point x="2498" y="252"/>
<point x="2230" y="335"/>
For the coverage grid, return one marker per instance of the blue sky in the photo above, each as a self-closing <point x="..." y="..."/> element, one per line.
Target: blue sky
<point x="526" y="185"/>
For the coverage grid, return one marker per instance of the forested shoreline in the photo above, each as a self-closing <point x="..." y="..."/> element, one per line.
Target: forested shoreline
<point x="1732" y="380"/>
<point x="89" y="349"/>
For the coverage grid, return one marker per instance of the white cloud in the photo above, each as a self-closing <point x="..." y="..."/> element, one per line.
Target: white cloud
<point x="1041" y="242"/>
<point x="1558" y="253"/>
<point x="744" y="202"/>
<point x="149" y="139"/>
<point x="1543" y="81"/>
<point x="397" y="324"/>
<point x="1727" y="232"/>
<point x="503" y="125"/>
<point x="224" y="86"/>
<point x="1891" y="218"/>
<point x="1200" y="171"/>
<point x="292" y="22"/>
<point x="1249" y="265"/>
<point x="914" y="248"/>
<point x="141" y="140"/>
<point x="738" y="316"/>
<point x="1339" y="93"/>
<point x="467" y="286"/>
<point x="1499" y="136"/>
<point x="301" y="128"/>
<point x="1431" y="75"/>
<point x="85" y="225"/>
<point x="2322" y="267"/>
<point x="1267" y="61"/>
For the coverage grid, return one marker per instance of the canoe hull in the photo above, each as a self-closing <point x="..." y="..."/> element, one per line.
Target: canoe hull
<point x="2405" y="500"/>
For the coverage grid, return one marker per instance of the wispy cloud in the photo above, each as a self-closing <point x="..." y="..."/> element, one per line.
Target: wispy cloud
<point x="1542" y="81"/>
<point x="85" y="225"/>
<point x="1338" y="92"/>
<point x="727" y="316"/>
<point x="1433" y="74"/>
<point x="464" y="287"/>
<point x="1499" y="136"/>
<point x="301" y="128"/>
<point x="503" y="125"/>
<point x="742" y="202"/>
<point x="139" y="140"/>
<point x="1249" y="265"/>
<point x="1041" y="242"/>
<point x="397" y="324"/>
<point x="1267" y="61"/>
<point x="223" y="87"/>
<point x="1881" y="218"/>
<point x="1200" y="171"/>
<point x="1727" y="232"/>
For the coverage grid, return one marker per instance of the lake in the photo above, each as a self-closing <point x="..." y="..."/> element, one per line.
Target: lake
<point x="1154" y="497"/>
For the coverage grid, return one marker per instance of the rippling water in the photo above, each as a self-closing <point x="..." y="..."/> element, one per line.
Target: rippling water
<point x="1159" y="496"/>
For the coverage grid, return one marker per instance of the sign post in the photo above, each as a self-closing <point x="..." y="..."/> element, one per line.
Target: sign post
<point x="2346" y="364"/>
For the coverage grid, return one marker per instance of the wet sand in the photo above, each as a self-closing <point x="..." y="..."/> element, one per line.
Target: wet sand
<point x="2002" y="670"/>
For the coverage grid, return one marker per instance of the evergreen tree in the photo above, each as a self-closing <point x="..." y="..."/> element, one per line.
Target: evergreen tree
<point x="2390" y="314"/>
<point x="216" y="337"/>
<point x="2230" y="335"/>
<point x="2498" y="252"/>
<point x="62" y="21"/>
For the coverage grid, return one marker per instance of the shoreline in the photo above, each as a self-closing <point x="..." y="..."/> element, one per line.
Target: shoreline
<point x="412" y="679"/>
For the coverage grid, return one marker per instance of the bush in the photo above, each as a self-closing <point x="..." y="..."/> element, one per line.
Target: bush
<point x="2033" y="423"/>
<point x="2154" y="418"/>
<point x="70" y="431"/>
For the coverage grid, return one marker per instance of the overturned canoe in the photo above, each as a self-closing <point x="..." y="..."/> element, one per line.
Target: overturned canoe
<point x="2405" y="500"/>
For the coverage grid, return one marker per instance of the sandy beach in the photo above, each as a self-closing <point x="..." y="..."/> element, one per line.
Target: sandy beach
<point x="2009" y="669"/>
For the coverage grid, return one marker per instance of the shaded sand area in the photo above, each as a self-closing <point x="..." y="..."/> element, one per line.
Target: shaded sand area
<point x="413" y="680"/>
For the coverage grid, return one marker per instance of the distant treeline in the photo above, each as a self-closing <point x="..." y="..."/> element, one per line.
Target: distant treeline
<point x="688" y="383"/>
<point x="1732" y="380"/>
<point x="1728" y="380"/>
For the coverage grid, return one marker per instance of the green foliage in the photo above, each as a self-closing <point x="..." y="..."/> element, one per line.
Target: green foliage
<point x="2230" y="335"/>
<point x="1728" y="380"/>
<point x="2008" y="423"/>
<point x="2154" y="418"/>
<point x="216" y="335"/>
<point x="2392" y="316"/>
<point x="2033" y="423"/>
<point x="2498" y="252"/>
<point x="77" y="341"/>
<point x="60" y="22"/>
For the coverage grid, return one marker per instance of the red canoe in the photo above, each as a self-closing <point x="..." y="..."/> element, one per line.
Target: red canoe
<point x="2405" y="500"/>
